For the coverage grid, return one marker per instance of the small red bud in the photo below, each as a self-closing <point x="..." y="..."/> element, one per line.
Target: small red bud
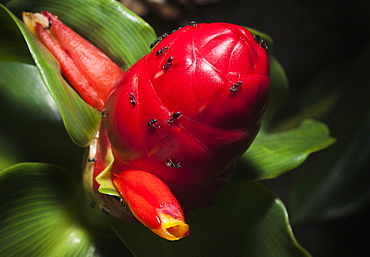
<point x="87" y="68"/>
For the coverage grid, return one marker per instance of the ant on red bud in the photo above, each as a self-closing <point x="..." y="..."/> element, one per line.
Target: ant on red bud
<point x="161" y="51"/>
<point x="260" y="41"/>
<point x="236" y="86"/>
<point x="193" y="24"/>
<point x="164" y="35"/>
<point x="168" y="63"/>
<point x="155" y="42"/>
<point x="132" y="99"/>
<point x="154" y="123"/>
<point x="176" y="29"/>
<point x="171" y="164"/>
<point x="173" y="117"/>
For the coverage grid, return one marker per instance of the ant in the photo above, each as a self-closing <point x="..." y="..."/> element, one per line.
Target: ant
<point x="235" y="87"/>
<point x="159" y="39"/>
<point x="171" y="164"/>
<point x="161" y="51"/>
<point x="176" y="29"/>
<point x="91" y="160"/>
<point x="174" y="116"/>
<point x="260" y="41"/>
<point x="168" y="63"/>
<point x="132" y="99"/>
<point x="154" y="123"/>
<point x="103" y="114"/>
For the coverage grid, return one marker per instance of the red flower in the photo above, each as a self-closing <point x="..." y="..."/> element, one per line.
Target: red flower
<point x="174" y="124"/>
<point x="190" y="108"/>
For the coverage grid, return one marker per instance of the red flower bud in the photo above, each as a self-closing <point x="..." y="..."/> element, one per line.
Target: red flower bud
<point x="190" y="108"/>
<point x="89" y="70"/>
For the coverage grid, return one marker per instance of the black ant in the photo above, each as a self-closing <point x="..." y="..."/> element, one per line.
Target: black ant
<point x="168" y="63"/>
<point x="193" y="24"/>
<point x="91" y="160"/>
<point x="154" y="123"/>
<point x="132" y="99"/>
<point x="235" y="87"/>
<point x="161" y="51"/>
<point x="176" y="29"/>
<point x="174" y="116"/>
<point x="103" y="114"/>
<point x="260" y="41"/>
<point x="159" y="39"/>
<point x="171" y="164"/>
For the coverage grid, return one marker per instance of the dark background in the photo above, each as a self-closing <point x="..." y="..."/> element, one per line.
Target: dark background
<point x="309" y="36"/>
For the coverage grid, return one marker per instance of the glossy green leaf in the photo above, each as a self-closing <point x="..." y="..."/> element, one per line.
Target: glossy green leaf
<point x="39" y="216"/>
<point x="23" y="89"/>
<point x="35" y="203"/>
<point x="335" y="183"/>
<point x="273" y="154"/>
<point x="246" y="220"/>
<point x="80" y="119"/>
<point x="117" y="31"/>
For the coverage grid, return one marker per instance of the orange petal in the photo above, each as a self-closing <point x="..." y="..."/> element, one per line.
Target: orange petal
<point x="152" y="203"/>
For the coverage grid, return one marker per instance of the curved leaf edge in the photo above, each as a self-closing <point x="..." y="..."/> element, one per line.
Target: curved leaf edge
<point x="251" y="168"/>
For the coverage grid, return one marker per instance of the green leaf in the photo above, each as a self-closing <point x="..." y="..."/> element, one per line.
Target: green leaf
<point x="334" y="183"/>
<point x="273" y="154"/>
<point x="35" y="219"/>
<point x="39" y="216"/>
<point x="246" y="220"/>
<point x="31" y="97"/>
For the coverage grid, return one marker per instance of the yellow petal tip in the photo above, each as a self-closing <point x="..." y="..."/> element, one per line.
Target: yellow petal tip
<point x="171" y="228"/>
<point x="30" y="19"/>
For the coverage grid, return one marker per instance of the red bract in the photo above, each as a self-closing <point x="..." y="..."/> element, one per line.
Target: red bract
<point x="152" y="203"/>
<point x="189" y="109"/>
<point x="89" y="70"/>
